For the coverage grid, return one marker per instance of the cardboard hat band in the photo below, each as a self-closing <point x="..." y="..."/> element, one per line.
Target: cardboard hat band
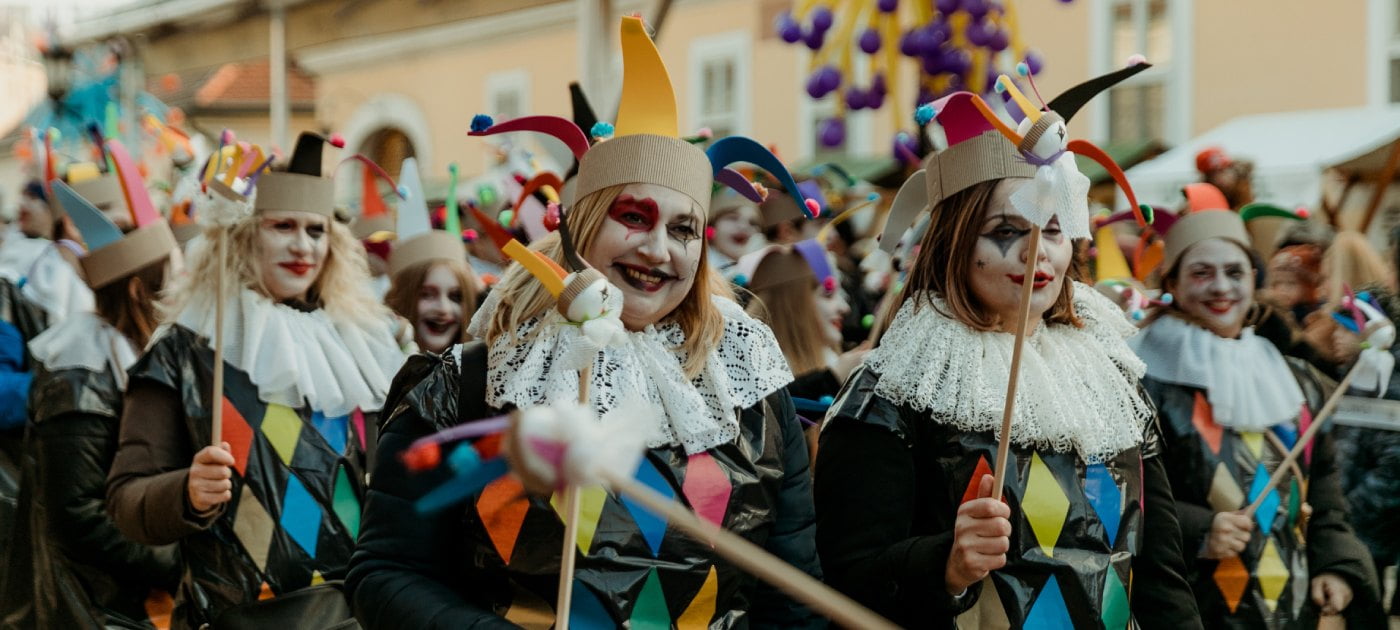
<point x="781" y="267"/>
<point x="434" y="245"/>
<point x="647" y="159"/>
<point x="777" y="208"/>
<point x="365" y="227"/>
<point x="295" y="192"/>
<point x="1202" y="226"/>
<point x="985" y="157"/>
<point x="137" y="250"/>
<point x="575" y="286"/>
<point x="104" y="192"/>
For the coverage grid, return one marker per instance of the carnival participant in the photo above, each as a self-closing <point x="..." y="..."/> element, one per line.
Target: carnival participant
<point x="908" y="520"/>
<point x="731" y="229"/>
<point x="1231" y="406"/>
<point x="270" y="505"/>
<point x="800" y="298"/>
<point x="712" y="375"/>
<point x="430" y="283"/>
<point x="71" y="567"/>
<point x="45" y="258"/>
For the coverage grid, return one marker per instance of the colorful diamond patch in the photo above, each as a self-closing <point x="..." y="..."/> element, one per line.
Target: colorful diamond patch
<point x="282" y="428"/>
<point x="650" y="613"/>
<point x="707" y="488"/>
<point x="502" y="506"/>
<point x="346" y="504"/>
<point x="652" y="526"/>
<point x="1231" y="578"/>
<point x="1272" y="574"/>
<point x="1268" y="509"/>
<point x="1116" y="613"/>
<point x="1225" y="494"/>
<point x="238" y="434"/>
<point x="1106" y="499"/>
<point x="1045" y="505"/>
<point x="1049" y="611"/>
<point x="253" y="527"/>
<point x="586" y="612"/>
<point x="1204" y="420"/>
<point x="701" y="610"/>
<point x="1254" y="441"/>
<point x="988" y="612"/>
<point x="591" y="501"/>
<point x="334" y="430"/>
<point x="301" y="516"/>
<point x="983" y="468"/>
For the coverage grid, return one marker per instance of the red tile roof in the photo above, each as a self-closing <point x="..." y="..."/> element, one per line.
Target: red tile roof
<point x="238" y="85"/>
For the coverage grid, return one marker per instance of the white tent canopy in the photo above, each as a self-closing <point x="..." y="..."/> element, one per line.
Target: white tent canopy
<point x="1290" y="151"/>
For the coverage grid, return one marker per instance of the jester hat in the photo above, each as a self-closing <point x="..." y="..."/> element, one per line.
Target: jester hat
<point x="1207" y="215"/>
<point x="645" y="145"/>
<point x="1265" y="223"/>
<point x="982" y="147"/>
<point x="774" y="265"/>
<point x="417" y="240"/>
<point x="300" y="187"/>
<point x="111" y="255"/>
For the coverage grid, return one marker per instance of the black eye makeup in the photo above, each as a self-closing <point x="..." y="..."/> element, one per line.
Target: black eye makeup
<point x="1005" y="233"/>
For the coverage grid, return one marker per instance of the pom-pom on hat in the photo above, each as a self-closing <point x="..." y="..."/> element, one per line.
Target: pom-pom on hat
<point x="111" y="255"/>
<point x="417" y="240"/>
<point x="982" y="147"/>
<point x="804" y="261"/>
<point x="646" y="146"/>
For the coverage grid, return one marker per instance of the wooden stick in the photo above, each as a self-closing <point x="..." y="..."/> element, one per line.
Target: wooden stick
<point x="217" y="399"/>
<point x="750" y="557"/>
<point x="568" y="558"/>
<point x="1284" y="466"/>
<point x="1022" y="315"/>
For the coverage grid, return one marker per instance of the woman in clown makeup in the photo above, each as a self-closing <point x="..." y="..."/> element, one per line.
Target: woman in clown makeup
<point x="658" y="335"/>
<point x="1231" y="407"/>
<point x="1084" y="533"/>
<point x="271" y="505"/>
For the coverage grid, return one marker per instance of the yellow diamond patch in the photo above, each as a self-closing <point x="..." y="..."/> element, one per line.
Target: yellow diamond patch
<point x="1272" y="574"/>
<point x="1045" y="505"/>
<point x="282" y="427"/>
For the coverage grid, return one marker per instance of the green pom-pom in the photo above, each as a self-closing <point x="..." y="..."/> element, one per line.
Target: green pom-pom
<point x="1148" y="214"/>
<point x="505" y="217"/>
<point x="867" y="322"/>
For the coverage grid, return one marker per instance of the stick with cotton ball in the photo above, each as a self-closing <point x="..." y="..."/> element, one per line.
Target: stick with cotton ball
<point x="1373" y="365"/>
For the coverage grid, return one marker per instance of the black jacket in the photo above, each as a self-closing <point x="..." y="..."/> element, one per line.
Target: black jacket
<point x="71" y="567"/>
<point x="445" y="570"/>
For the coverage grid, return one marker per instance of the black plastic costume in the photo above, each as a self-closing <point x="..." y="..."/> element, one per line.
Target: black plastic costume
<point x="496" y="562"/>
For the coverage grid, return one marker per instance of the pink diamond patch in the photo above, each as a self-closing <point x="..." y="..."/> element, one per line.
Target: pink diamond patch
<point x="707" y="488"/>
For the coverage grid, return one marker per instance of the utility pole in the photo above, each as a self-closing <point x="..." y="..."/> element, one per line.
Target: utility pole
<point x="277" y="72"/>
<point x="595" y="55"/>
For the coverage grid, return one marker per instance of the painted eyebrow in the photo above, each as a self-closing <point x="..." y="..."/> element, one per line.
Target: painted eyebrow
<point x="1003" y="217"/>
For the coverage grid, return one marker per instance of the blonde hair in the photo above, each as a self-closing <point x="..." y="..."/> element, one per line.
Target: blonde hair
<point x="523" y="297"/>
<point x="342" y="288"/>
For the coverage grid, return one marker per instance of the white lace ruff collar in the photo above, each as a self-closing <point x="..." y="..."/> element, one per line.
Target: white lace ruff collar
<point x="297" y="358"/>
<point x="84" y="340"/>
<point x="699" y="414"/>
<point x="1247" y="381"/>
<point x="1078" y="386"/>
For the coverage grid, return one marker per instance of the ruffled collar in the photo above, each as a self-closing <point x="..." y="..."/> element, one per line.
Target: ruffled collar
<point x="531" y="367"/>
<point x="1078" y="386"/>
<point x="84" y="340"/>
<point x="1247" y="381"/>
<point x="296" y="357"/>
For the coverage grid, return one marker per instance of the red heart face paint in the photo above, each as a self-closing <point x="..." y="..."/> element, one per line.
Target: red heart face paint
<point x="637" y="215"/>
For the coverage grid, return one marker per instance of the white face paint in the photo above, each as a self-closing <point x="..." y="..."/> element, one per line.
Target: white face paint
<point x="734" y="232"/>
<point x="1215" y="283"/>
<point x="439" y="310"/>
<point x="999" y="260"/>
<point x="831" y="310"/>
<point x="649" y="246"/>
<point x="292" y="251"/>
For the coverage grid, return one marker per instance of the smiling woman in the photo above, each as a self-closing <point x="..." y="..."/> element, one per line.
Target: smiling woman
<point x="436" y="296"/>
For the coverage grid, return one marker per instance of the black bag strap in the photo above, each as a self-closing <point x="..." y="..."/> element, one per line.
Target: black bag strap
<point x="471" y="390"/>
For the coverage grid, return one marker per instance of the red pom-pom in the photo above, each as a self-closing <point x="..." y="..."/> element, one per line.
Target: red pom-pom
<point x="551" y="216"/>
<point x="829" y="284"/>
<point x="424" y="457"/>
<point x="813" y="208"/>
<point x="710" y="233"/>
<point x="489" y="279"/>
<point x="337" y="141"/>
<point x="1302" y="213"/>
<point x="469" y="235"/>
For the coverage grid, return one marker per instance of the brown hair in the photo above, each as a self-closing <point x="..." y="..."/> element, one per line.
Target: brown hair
<point x="798" y="328"/>
<point x="524" y="298"/>
<point x="944" y="263"/>
<point x="402" y="297"/>
<point x="133" y="312"/>
<point x="1168" y="282"/>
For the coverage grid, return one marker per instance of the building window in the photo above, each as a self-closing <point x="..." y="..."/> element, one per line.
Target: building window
<point x="1137" y="107"/>
<point x="718" y="89"/>
<point x="508" y="94"/>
